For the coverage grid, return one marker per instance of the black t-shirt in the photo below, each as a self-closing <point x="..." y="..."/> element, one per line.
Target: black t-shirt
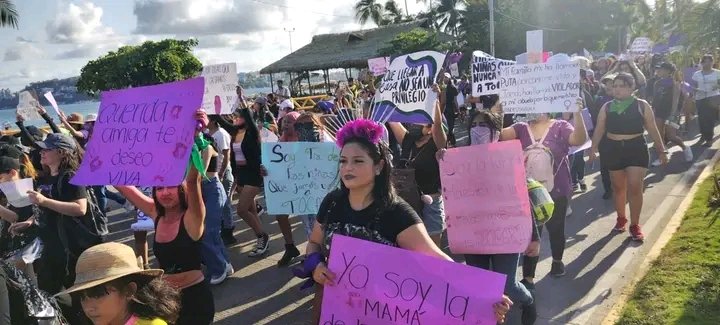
<point x="49" y="218"/>
<point x="9" y="245"/>
<point x="451" y="94"/>
<point x="427" y="168"/>
<point x="374" y="223"/>
<point x="663" y="96"/>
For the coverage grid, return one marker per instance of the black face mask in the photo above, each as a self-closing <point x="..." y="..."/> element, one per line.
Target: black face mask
<point x="415" y="131"/>
<point x="307" y="132"/>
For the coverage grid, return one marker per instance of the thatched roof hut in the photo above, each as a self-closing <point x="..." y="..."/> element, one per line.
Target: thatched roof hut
<point x="343" y="50"/>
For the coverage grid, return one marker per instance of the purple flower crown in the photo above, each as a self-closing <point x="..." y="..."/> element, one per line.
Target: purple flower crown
<point x="361" y="128"/>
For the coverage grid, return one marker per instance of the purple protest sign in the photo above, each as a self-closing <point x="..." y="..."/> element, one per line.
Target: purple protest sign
<point x="143" y="136"/>
<point x="378" y="284"/>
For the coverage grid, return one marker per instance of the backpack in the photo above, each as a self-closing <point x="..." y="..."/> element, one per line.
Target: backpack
<point x="86" y="231"/>
<point x="541" y="203"/>
<point x="539" y="161"/>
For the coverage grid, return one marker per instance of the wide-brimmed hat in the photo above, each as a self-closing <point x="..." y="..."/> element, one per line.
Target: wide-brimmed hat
<point x="90" y="118"/>
<point x="75" y="118"/>
<point x="104" y="263"/>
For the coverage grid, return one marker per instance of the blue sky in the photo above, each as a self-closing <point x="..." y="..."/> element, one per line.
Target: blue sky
<point x="57" y="38"/>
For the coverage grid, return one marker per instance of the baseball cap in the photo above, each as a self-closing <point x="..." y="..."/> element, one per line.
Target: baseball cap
<point x="34" y="131"/>
<point x="447" y="75"/>
<point x="9" y="158"/>
<point x="57" y="141"/>
<point x="667" y="66"/>
<point x="285" y="104"/>
<point x="261" y="100"/>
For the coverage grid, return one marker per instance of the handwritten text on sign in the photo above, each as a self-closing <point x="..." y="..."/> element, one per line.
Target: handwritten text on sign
<point x="408" y="86"/>
<point x="143" y="136"/>
<point x="378" y="285"/>
<point x="486" y="199"/>
<point x="485" y="73"/>
<point x="220" y="83"/>
<point x="300" y="174"/>
<point x="540" y="88"/>
<point x="27" y="106"/>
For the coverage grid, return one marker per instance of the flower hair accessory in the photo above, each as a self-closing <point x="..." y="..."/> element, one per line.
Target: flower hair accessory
<point x="361" y="128"/>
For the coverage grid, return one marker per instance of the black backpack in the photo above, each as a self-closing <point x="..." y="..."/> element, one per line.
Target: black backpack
<point x="80" y="233"/>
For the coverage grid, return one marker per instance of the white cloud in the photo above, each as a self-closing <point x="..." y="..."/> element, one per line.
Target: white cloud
<point x="23" y="51"/>
<point x="78" y="23"/>
<point x="199" y="17"/>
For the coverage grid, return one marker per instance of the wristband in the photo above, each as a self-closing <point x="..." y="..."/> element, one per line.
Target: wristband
<point x="306" y="270"/>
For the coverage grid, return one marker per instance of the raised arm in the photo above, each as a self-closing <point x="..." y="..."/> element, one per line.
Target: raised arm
<point x="48" y="119"/>
<point x="24" y="134"/>
<point x="398" y="131"/>
<point x="579" y="136"/>
<point x="195" y="214"/>
<point x="438" y="133"/>
<point x="68" y="126"/>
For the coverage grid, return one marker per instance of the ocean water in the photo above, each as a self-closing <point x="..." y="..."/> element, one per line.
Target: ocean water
<point x="84" y="108"/>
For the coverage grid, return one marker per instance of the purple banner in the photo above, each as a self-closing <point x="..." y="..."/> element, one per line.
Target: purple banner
<point x="383" y="285"/>
<point x="143" y="136"/>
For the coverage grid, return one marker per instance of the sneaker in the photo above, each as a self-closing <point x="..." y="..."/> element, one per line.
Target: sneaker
<point x="227" y="237"/>
<point x="291" y="252"/>
<point x="656" y="163"/>
<point x="220" y="279"/>
<point x="558" y="269"/>
<point x="620" y="224"/>
<point x="229" y="270"/>
<point x="261" y="246"/>
<point x="128" y="206"/>
<point x="636" y="233"/>
<point x="576" y="188"/>
<point x="583" y="187"/>
<point x="688" y="154"/>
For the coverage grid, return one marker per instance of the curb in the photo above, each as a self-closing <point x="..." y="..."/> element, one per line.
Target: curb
<point x="672" y="226"/>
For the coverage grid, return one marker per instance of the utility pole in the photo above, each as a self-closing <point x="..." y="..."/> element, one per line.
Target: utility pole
<point x="491" y="5"/>
<point x="290" y="31"/>
<point x="407" y="12"/>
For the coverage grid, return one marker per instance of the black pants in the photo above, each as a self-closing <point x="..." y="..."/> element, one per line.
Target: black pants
<point x="197" y="305"/>
<point x="577" y="169"/>
<point x="556" y="229"/>
<point x="450" y="117"/>
<point x="605" y="175"/>
<point x="4" y="299"/>
<point x="707" y="117"/>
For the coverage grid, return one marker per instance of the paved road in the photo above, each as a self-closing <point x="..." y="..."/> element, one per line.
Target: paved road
<point x="599" y="263"/>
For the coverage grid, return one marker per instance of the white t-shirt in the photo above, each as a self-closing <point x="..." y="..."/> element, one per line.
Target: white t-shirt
<point x="222" y="142"/>
<point x="708" y="85"/>
<point x="283" y="91"/>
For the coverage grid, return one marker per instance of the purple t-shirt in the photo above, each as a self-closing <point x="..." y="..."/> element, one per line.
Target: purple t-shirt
<point x="558" y="141"/>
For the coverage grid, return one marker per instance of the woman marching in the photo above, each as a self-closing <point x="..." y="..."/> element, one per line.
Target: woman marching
<point x="366" y="207"/>
<point x="619" y="139"/>
<point x="179" y="215"/>
<point x="245" y="165"/>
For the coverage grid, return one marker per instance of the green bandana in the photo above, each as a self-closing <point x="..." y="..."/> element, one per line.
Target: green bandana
<point x="619" y="106"/>
<point x="196" y="156"/>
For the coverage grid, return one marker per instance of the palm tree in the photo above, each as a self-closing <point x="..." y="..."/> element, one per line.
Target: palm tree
<point x="702" y="24"/>
<point x="369" y="10"/>
<point x="393" y="14"/>
<point x="8" y="14"/>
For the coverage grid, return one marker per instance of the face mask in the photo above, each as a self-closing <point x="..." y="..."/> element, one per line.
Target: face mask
<point x="482" y="135"/>
<point x="415" y="131"/>
<point x="307" y="132"/>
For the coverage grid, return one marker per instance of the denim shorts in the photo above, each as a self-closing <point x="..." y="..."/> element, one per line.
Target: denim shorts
<point x="433" y="216"/>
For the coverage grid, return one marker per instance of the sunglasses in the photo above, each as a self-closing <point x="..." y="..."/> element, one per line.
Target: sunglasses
<point x="95" y="292"/>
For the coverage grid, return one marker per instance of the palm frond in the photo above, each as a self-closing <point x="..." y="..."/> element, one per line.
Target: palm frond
<point x="8" y="14"/>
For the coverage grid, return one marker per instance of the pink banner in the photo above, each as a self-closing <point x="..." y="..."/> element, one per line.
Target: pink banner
<point x="486" y="199"/>
<point x="378" y="285"/>
<point x="143" y="136"/>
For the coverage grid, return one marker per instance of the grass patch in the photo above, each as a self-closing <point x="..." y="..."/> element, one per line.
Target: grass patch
<point x="683" y="285"/>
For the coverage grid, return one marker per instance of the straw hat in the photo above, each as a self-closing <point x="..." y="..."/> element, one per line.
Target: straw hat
<point x="90" y="118"/>
<point x="75" y="118"/>
<point x="106" y="262"/>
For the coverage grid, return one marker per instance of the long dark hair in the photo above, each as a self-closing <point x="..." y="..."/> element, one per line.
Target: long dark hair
<point x="154" y="298"/>
<point x="181" y="196"/>
<point x="494" y="121"/>
<point x="250" y="126"/>
<point x="383" y="190"/>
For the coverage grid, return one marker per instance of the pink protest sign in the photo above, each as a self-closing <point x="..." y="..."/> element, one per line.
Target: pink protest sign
<point x="486" y="199"/>
<point x="378" y="66"/>
<point x="377" y="284"/>
<point x="142" y="136"/>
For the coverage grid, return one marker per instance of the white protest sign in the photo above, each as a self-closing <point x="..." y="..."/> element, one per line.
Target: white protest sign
<point x="220" y="83"/>
<point x="641" y="45"/>
<point x="268" y="136"/>
<point x="521" y="58"/>
<point x="534" y="43"/>
<point x="485" y="73"/>
<point x="50" y="98"/>
<point x="378" y="66"/>
<point x="16" y="192"/>
<point x="27" y="106"/>
<point x="540" y="88"/>
<point x="454" y="70"/>
<point x="407" y="86"/>
<point x="300" y="174"/>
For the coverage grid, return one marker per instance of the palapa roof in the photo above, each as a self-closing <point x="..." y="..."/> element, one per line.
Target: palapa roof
<point x="343" y="50"/>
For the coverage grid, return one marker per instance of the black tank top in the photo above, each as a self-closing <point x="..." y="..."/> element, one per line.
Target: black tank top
<point x="212" y="166"/>
<point x="629" y="122"/>
<point x="182" y="254"/>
